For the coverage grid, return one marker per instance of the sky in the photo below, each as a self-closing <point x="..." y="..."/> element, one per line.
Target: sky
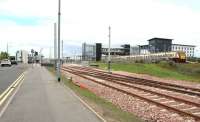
<point x="28" y="24"/>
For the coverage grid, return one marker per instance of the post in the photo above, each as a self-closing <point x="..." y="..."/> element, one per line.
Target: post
<point x="41" y="56"/>
<point x="50" y="53"/>
<point x="109" y="59"/>
<point x="58" y="63"/>
<point x="7" y="50"/>
<point x="55" y="44"/>
<point x="62" y="49"/>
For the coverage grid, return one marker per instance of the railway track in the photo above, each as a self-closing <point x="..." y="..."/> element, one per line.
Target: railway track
<point x="124" y="84"/>
<point x="152" y="83"/>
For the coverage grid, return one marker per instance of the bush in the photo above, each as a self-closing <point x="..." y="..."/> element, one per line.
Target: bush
<point x="139" y="61"/>
<point x="172" y="63"/>
<point x="196" y="71"/>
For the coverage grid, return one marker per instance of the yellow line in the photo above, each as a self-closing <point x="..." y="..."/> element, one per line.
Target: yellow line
<point x="9" y="90"/>
<point x="10" y="98"/>
<point x="5" y="97"/>
<point x="3" y="94"/>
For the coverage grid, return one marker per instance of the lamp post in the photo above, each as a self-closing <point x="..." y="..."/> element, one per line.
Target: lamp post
<point x="55" y="45"/>
<point x="59" y="14"/>
<point x="109" y="59"/>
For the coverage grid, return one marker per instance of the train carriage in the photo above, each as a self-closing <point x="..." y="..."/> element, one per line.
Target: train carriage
<point x="177" y="56"/>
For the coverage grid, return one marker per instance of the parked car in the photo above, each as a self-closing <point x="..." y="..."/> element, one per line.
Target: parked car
<point x="6" y="62"/>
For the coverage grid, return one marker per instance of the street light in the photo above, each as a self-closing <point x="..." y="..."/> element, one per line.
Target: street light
<point x="59" y="14"/>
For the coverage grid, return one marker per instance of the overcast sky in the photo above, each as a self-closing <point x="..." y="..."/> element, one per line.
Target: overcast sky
<point x="27" y="24"/>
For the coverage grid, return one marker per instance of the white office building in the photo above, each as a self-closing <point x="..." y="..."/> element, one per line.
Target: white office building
<point x="22" y="56"/>
<point x="188" y="49"/>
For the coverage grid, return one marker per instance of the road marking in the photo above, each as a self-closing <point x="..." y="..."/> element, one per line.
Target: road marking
<point x="5" y="92"/>
<point x="85" y="104"/>
<point x="10" y="99"/>
<point x="5" y="95"/>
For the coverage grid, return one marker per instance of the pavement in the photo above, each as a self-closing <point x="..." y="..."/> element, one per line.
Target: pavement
<point x="42" y="99"/>
<point x="9" y="74"/>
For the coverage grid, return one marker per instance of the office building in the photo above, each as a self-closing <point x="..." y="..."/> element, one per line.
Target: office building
<point x="91" y="52"/>
<point x="22" y="56"/>
<point x="159" y="45"/>
<point x="188" y="49"/>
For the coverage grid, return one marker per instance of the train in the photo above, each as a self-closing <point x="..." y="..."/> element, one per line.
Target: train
<point x="176" y="56"/>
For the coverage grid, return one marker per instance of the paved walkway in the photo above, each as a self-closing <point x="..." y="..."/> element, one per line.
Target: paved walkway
<point x="42" y="99"/>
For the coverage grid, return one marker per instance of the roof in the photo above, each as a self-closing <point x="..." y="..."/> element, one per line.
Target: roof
<point x="184" y="45"/>
<point x="160" y="39"/>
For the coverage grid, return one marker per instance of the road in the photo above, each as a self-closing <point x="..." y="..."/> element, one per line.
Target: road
<point x="42" y="99"/>
<point x="9" y="74"/>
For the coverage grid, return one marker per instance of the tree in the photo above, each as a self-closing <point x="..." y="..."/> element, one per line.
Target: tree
<point x="4" y="55"/>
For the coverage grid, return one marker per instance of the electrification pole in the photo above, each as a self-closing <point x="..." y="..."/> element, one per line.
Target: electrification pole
<point x="59" y="14"/>
<point x="55" y="44"/>
<point x="50" y="56"/>
<point x="62" y="49"/>
<point x="109" y="59"/>
<point x="7" y="48"/>
<point x="41" y="56"/>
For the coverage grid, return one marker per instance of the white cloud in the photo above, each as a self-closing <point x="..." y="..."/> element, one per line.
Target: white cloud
<point x="132" y="21"/>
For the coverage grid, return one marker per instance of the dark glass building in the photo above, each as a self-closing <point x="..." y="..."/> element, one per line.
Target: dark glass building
<point x="160" y="45"/>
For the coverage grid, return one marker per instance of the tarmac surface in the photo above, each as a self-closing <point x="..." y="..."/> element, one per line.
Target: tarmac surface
<point x="42" y="99"/>
<point x="9" y="74"/>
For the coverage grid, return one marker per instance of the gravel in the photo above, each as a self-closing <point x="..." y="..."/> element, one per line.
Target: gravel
<point x="146" y="111"/>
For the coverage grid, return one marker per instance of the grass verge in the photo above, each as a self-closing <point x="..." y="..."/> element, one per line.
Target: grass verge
<point x="188" y="72"/>
<point x="108" y="111"/>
